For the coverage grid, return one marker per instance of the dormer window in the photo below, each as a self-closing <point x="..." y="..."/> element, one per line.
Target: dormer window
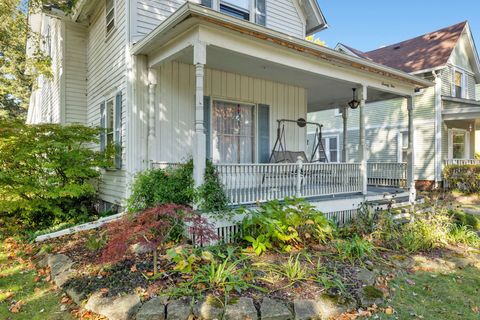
<point x="110" y="15"/>
<point x="236" y="8"/>
<point x="458" y="83"/>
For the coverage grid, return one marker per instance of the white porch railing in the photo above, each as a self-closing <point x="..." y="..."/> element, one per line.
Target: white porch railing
<point x="387" y="174"/>
<point x="461" y="161"/>
<point x="164" y="165"/>
<point x="251" y="183"/>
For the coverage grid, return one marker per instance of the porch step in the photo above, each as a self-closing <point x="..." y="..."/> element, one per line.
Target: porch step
<point x="401" y="203"/>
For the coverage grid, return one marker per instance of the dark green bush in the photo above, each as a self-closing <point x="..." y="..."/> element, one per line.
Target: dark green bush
<point x="175" y="185"/>
<point x="464" y="178"/>
<point x="463" y="219"/>
<point x="47" y="173"/>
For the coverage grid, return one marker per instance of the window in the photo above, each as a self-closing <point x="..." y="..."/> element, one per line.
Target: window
<point x="261" y="12"/>
<point x="338" y="112"/>
<point x="458" y="145"/>
<point x="236" y="8"/>
<point x="403" y="147"/>
<point x="233" y="132"/>
<point x="458" y="82"/>
<point x="110" y="15"/>
<point x="111" y="122"/>
<point x="331" y="148"/>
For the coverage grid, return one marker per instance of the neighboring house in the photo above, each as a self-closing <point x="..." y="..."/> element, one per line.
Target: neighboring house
<point x="446" y="115"/>
<point x="173" y="79"/>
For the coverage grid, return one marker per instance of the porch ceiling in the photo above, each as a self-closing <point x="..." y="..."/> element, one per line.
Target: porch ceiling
<point x="323" y="92"/>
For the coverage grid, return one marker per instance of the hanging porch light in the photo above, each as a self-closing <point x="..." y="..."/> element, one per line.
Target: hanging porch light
<point x="355" y="102"/>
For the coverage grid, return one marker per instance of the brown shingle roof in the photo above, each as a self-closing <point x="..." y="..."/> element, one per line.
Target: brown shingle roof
<point x="427" y="51"/>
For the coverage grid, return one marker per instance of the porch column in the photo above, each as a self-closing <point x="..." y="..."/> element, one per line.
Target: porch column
<point x="199" y="147"/>
<point x="344" y="140"/>
<point x="362" y="147"/>
<point x="152" y="86"/>
<point x="411" y="151"/>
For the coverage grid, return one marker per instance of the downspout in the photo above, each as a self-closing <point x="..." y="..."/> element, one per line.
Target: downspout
<point x="438" y="127"/>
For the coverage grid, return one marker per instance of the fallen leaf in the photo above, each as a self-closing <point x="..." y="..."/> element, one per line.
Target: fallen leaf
<point x="36" y="279"/>
<point x="389" y="311"/>
<point x="133" y="268"/>
<point x="16" y="307"/>
<point x="104" y="290"/>
<point x="410" y="282"/>
<point x="65" y="300"/>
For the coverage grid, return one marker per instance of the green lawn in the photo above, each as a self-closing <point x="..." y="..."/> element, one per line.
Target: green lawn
<point x="437" y="296"/>
<point x="39" y="300"/>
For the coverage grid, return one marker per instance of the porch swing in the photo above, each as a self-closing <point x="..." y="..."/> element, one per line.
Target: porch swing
<point x="280" y="153"/>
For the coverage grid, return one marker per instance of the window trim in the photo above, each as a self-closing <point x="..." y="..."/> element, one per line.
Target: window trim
<point x="108" y="33"/>
<point x="400" y="145"/>
<point x="214" y="99"/>
<point x="112" y="97"/>
<point x="467" y="142"/>
<point x="463" y="83"/>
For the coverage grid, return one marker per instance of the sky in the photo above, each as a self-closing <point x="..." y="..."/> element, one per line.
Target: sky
<point x="370" y="24"/>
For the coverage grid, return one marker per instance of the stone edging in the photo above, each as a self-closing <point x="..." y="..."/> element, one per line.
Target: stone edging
<point x="129" y="306"/>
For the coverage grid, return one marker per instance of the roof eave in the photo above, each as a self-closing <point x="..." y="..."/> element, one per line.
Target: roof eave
<point x="189" y="9"/>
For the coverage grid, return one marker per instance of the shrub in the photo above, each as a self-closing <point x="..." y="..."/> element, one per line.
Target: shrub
<point x="152" y="228"/>
<point x="355" y="248"/>
<point x="285" y="224"/>
<point x="427" y="231"/>
<point x="48" y="173"/>
<point x="175" y="185"/>
<point x="462" y="218"/>
<point x="465" y="178"/>
<point x="464" y="235"/>
<point x="160" y="186"/>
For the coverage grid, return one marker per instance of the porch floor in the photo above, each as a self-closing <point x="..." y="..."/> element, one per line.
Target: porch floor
<point x="374" y="193"/>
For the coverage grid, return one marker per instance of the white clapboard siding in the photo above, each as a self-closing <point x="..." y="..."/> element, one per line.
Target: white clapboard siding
<point x="282" y="15"/>
<point x="46" y="99"/>
<point x="175" y="106"/>
<point x="385" y="120"/>
<point x="106" y="74"/>
<point x="75" y="73"/>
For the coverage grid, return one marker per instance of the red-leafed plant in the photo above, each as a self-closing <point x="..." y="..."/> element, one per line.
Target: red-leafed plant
<point x="152" y="228"/>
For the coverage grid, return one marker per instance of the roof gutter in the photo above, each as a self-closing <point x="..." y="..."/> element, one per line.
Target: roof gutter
<point x="189" y="10"/>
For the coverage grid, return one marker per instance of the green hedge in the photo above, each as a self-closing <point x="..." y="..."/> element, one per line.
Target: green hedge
<point x="465" y="178"/>
<point x="175" y="185"/>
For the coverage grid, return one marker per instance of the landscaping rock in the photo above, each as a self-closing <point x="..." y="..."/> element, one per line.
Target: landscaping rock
<point x="139" y="248"/>
<point x="179" y="309"/>
<point x="433" y="265"/>
<point x="59" y="263"/>
<point x="240" y="309"/>
<point x="43" y="261"/>
<point x="77" y="295"/>
<point x="61" y="278"/>
<point x="370" y="295"/>
<point x="402" y="262"/>
<point x="331" y="307"/>
<point x="274" y="310"/>
<point x="153" y="309"/>
<point x="365" y="276"/>
<point x="114" y="308"/>
<point x="307" y="310"/>
<point x="209" y="309"/>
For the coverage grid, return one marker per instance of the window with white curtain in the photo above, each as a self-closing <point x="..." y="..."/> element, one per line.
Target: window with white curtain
<point x="233" y="132"/>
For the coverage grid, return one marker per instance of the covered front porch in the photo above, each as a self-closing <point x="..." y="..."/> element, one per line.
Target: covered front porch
<point x="215" y="88"/>
<point x="461" y="118"/>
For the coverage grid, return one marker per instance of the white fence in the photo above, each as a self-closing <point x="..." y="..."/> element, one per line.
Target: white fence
<point x="387" y="174"/>
<point x="251" y="183"/>
<point x="462" y="161"/>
